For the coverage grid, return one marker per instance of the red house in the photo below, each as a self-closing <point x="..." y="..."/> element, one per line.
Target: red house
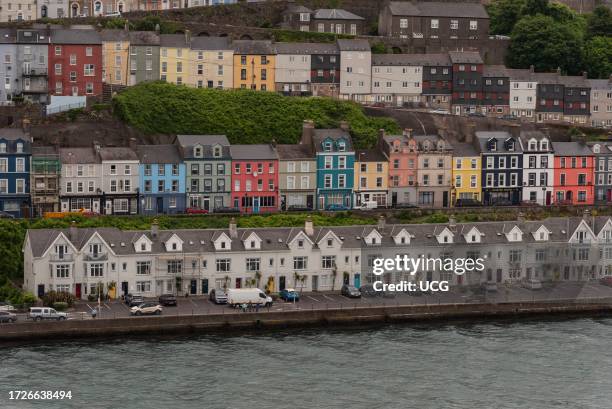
<point x="254" y="178"/>
<point x="573" y="174"/>
<point x="75" y="63"/>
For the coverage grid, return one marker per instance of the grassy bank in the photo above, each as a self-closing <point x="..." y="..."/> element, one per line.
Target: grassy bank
<point x="245" y="116"/>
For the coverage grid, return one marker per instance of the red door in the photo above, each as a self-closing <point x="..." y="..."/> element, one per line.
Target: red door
<point x="77" y="291"/>
<point x="238" y="282"/>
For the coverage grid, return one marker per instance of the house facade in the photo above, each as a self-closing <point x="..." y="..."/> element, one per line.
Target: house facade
<point x="81" y="180"/>
<point x="577" y="99"/>
<point x="573" y="174"/>
<point x="208" y="170"/>
<point x="325" y="70"/>
<point x="297" y="176"/>
<point x="161" y="179"/>
<point x="254" y="65"/>
<point x="437" y="81"/>
<point x="293" y="65"/>
<point x="45" y="180"/>
<point x="371" y="177"/>
<point x="523" y="94"/>
<point x="120" y="180"/>
<point x="144" y="56"/>
<point x="397" y="79"/>
<point x="401" y="153"/>
<point x="255" y="178"/>
<point x="336" y="21"/>
<point x="434" y="171"/>
<point x="502" y="168"/>
<point x="356" y="69"/>
<point x="538" y="170"/>
<point x="115" y="55"/>
<point x="601" y="103"/>
<point x="496" y="90"/>
<point x="211" y="63"/>
<point x="8" y="70"/>
<point x="174" y="58"/>
<point x="467" y="82"/>
<point x="603" y="171"/>
<point x="15" y="157"/>
<point x="467" y="172"/>
<point x="32" y="64"/>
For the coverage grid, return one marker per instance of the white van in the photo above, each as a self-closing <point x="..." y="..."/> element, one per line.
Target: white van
<point x="370" y="205"/>
<point x="254" y="296"/>
<point x="45" y="313"/>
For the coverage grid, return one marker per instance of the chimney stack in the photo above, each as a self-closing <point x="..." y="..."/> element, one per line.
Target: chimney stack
<point x="154" y="229"/>
<point x="452" y="223"/>
<point x="345" y="126"/>
<point x="587" y="217"/>
<point x="233" y="228"/>
<point x="407" y="132"/>
<point x="532" y="68"/>
<point x="381" y="134"/>
<point x="73" y="231"/>
<point x="25" y="125"/>
<point x="585" y="75"/>
<point x="309" y="226"/>
<point x="187" y="37"/>
<point x="558" y="70"/>
<point x="520" y="217"/>
<point x="132" y="143"/>
<point x="307" y="133"/>
<point x="381" y="222"/>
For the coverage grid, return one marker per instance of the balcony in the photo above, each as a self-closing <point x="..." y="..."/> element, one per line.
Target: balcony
<point x="68" y="258"/>
<point x="102" y="256"/>
<point x="35" y="72"/>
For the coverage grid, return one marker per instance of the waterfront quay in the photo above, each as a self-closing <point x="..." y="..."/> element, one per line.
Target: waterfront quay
<point x="193" y="314"/>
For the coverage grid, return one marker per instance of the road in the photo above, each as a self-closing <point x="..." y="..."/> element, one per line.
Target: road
<point x="569" y="292"/>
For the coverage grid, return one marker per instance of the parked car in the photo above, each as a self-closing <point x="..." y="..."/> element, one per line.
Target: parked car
<point x="218" y="296"/>
<point x="132" y="300"/>
<point x="146" y="308"/>
<point x="6" y="316"/>
<point x="370" y="205"/>
<point x="467" y="203"/>
<point x="194" y="210"/>
<point x="607" y="281"/>
<point x="167" y="299"/>
<point x="532" y="284"/>
<point x="405" y="206"/>
<point x="439" y="111"/>
<point x="6" y="306"/>
<point x="337" y="207"/>
<point x="508" y="117"/>
<point x="490" y="287"/>
<point x="227" y="210"/>
<point x="113" y="14"/>
<point x="350" y="291"/>
<point x="477" y="114"/>
<point x="367" y="290"/>
<point x="296" y="208"/>
<point x="289" y="294"/>
<point x="45" y="313"/>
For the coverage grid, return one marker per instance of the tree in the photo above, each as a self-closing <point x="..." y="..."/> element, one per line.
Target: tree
<point x="598" y="57"/>
<point x="600" y="22"/>
<point x="504" y="15"/>
<point x="545" y="43"/>
<point x="533" y="7"/>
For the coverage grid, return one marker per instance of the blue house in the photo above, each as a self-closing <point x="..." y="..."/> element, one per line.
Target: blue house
<point x="335" y="158"/>
<point x="502" y="168"/>
<point x="162" y="179"/>
<point x="15" y="155"/>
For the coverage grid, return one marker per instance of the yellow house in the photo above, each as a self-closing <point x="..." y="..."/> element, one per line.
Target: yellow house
<point x="174" y="58"/>
<point x="211" y="63"/>
<point x="254" y="64"/>
<point x="371" y="177"/>
<point x="466" y="173"/>
<point x="115" y="46"/>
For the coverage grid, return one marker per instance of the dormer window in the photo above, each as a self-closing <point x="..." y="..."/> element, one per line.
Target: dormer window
<point x="596" y="149"/>
<point x="373" y="240"/>
<point x="445" y="239"/>
<point x="300" y="243"/>
<point x="143" y="246"/>
<point x="532" y="145"/>
<point x="542" y="236"/>
<point x="544" y="145"/>
<point x="473" y="238"/>
<point x="510" y="145"/>
<point x="217" y="152"/>
<point x="327" y="146"/>
<point x="19" y="147"/>
<point x="222" y="244"/>
<point x="174" y="247"/>
<point x="198" y="152"/>
<point x="330" y="242"/>
<point x="403" y="240"/>
<point x="492" y="145"/>
<point x="252" y="244"/>
<point x="341" y="146"/>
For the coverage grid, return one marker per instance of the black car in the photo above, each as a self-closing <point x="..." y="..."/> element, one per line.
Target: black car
<point x="167" y="299"/>
<point x="132" y="300"/>
<point x="501" y="202"/>
<point x="467" y="203"/>
<point x="227" y="210"/>
<point x="350" y="291"/>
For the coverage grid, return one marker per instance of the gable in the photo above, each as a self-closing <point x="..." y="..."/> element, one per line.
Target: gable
<point x="473" y="235"/>
<point x="330" y="235"/>
<point x="582" y="234"/>
<point x="606" y="231"/>
<point x="541" y="234"/>
<point x="174" y="243"/>
<point x="445" y="236"/>
<point x="60" y="239"/>
<point x="143" y="244"/>
<point x="223" y="242"/>
<point x="374" y="238"/>
<point x="403" y="237"/>
<point x="253" y="242"/>
<point x="301" y="237"/>
<point x="96" y="239"/>
<point x="514" y="235"/>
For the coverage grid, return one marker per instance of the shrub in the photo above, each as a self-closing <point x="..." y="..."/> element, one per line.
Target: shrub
<point x="53" y="297"/>
<point x="60" y="306"/>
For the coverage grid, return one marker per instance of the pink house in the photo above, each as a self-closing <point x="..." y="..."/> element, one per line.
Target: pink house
<point x="401" y="151"/>
<point x="254" y="178"/>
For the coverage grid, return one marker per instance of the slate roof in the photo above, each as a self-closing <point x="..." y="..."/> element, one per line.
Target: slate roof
<point x="144" y="38"/>
<point x="12" y="134"/>
<point x="464" y="149"/>
<point x="320" y="134"/>
<point x="369" y="155"/>
<point x="496" y="71"/>
<point x="253" y="152"/>
<point x="64" y="36"/>
<point x="256" y="47"/>
<point x="577" y="81"/>
<point x="501" y="136"/>
<point x="37" y="36"/>
<point x="187" y="142"/>
<point x="117" y="153"/>
<point x="44" y="151"/>
<point x="162" y="154"/>
<point x="438" y="9"/>
<point x="439" y="59"/>
<point x="210" y="43"/>
<point x="294" y="151"/>
<point x="7" y="35"/>
<point x="354" y="45"/>
<point x="335" y="14"/>
<point x="173" y="40"/>
<point x="600" y="84"/>
<point x="114" y="35"/>
<point x="306" y="48"/>
<point x="78" y="155"/>
<point x="465" y="57"/>
<point x="295" y="8"/>
<point x="572" y="149"/>
<point x="277" y="239"/>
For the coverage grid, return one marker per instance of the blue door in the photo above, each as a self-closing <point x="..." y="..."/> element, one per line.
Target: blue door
<point x="255" y="205"/>
<point x="357" y="280"/>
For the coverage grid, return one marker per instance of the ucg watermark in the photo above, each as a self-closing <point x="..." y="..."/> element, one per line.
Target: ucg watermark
<point x="412" y="266"/>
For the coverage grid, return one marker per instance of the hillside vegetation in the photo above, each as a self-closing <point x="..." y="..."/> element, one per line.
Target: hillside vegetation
<point x="245" y="116"/>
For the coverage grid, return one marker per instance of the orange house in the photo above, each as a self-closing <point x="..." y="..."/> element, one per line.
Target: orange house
<point x="573" y="174"/>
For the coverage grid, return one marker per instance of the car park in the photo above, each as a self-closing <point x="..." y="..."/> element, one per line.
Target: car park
<point x="6" y="316"/>
<point x="350" y="291"/>
<point x="532" y="284"/>
<point x="46" y="313"/>
<point x="167" y="299"/>
<point x="132" y="300"/>
<point x="218" y="296"/>
<point x="146" y="308"/>
<point x="289" y="295"/>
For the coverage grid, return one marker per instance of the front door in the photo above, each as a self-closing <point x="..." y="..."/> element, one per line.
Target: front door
<point x="41" y="290"/>
<point x="393" y="198"/>
<point x="499" y="275"/>
<point x="160" y="205"/>
<point x="255" y="205"/>
<point x="310" y="201"/>
<point x="239" y="283"/>
<point x="548" y="198"/>
<point x="77" y="291"/>
<point x="194" y="287"/>
<point x="315" y="283"/>
<point x="357" y="280"/>
<point x="206" y="203"/>
<point x="444" y="199"/>
<point x="124" y="287"/>
<point x="205" y="286"/>
<point x="281" y="283"/>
